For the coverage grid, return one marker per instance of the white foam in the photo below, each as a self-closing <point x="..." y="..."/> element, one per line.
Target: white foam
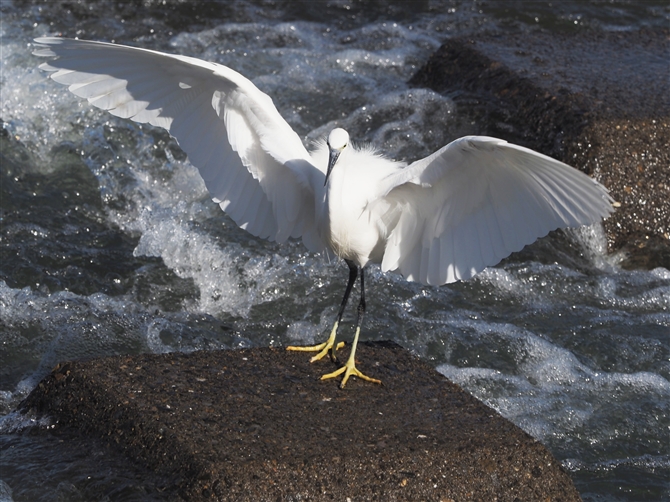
<point x="66" y="319"/>
<point x="556" y="287"/>
<point x="16" y="422"/>
<point x="648" y="462"/>
<point x="551" y="394"/>
<point x="42" y="330"/>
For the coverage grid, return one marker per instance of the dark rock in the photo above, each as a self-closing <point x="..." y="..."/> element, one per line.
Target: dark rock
<point x="258" y="424"/>
<point x="597" y="101"/>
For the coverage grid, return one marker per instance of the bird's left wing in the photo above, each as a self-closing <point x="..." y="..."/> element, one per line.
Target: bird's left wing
<point x="474" y="202"/>
<point x="254" y="165"/>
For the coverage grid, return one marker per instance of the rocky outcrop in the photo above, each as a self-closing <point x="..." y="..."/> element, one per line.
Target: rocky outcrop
<point x="259" y="425"/>
<point x="597" y="101"/>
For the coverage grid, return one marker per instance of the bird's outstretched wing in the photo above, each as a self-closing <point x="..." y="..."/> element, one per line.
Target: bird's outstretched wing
<point x="254" y="165"/>
<point x="477" y="200"/>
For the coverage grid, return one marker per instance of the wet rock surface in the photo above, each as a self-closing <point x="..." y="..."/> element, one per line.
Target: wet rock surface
<point x="258" y="424"/>
<point x="597" y="101"/>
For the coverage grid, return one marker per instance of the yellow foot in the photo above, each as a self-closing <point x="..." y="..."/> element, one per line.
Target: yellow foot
<point x="348" y="370"/>
<point x="322" y="348"/>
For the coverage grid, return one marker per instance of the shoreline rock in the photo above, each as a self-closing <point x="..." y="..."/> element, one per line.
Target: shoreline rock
<point x="258" y="424"/>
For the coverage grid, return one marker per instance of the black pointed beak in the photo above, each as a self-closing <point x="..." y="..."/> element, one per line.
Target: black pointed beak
<point x="332" y="159"/>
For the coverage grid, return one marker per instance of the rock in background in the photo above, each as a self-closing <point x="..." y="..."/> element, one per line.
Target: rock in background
<point x="599" y="101"/>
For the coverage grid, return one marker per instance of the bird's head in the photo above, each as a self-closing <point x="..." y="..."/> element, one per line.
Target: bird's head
<point x="338" y="139"/>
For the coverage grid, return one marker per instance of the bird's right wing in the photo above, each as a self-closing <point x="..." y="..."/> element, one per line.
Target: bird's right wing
<point x="254" y="165"/>
<point x="474" y="202"/>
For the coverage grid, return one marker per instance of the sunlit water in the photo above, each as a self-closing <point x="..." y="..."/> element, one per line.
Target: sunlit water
<point x="110" y="244"/>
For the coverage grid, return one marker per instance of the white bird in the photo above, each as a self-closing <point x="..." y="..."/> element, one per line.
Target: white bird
<point x="437" y="220"/>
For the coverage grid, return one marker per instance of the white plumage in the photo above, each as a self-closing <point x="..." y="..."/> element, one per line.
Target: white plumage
<point x="438" y="220"/>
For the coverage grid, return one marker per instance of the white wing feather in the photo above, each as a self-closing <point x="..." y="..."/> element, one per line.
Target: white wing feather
<point x="477" y="200"/>
<point x="254" y="165"/>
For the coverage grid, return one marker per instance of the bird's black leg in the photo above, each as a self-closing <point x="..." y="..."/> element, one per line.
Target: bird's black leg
<point x="353" y="273"/>
<point x="350" y="367"/>
<point x="361" y="304"/>
<point x="329" y="346"/>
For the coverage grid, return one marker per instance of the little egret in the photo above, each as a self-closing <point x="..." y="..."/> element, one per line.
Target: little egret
<point x="438" y="220"/>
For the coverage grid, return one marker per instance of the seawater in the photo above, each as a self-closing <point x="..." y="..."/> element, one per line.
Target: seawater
<point x="111" y="245"/>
